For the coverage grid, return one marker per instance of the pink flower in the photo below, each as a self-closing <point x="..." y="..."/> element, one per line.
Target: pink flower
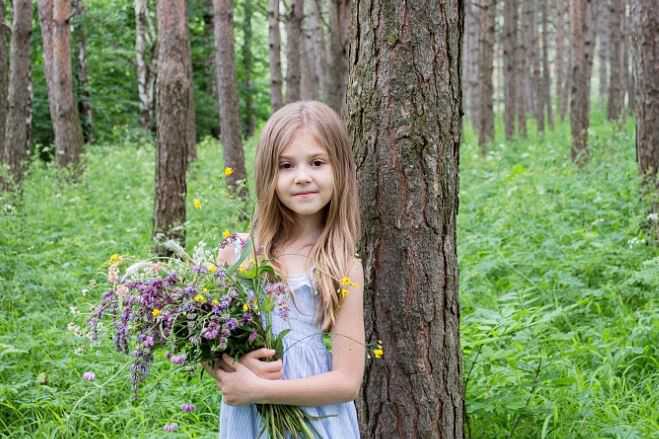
<point x="173" y="426"/>
<point x="187" y="407"/>
<point x="89" y="376"/>
<point x="178" y="359"/>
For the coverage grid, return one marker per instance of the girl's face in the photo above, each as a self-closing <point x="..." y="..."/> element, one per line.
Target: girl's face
<point x="305" y="181"/>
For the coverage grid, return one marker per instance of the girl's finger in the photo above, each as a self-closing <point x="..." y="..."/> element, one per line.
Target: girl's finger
<point x="272" y="366"/>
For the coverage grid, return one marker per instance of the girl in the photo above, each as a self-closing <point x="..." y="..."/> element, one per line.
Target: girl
<point x="307" y="223"/>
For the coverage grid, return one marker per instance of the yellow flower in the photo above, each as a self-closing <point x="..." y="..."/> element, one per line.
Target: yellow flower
<point x="199" y="298"/>
<point x="116" y="259"/>
<point x="345" y="280"/>
<point x="155" y="312"/>
<point x="378" y="352"/>
<point x="215" y="302"/>
<point x="228" y="171"/>
<point x="212" y="268"/>
<point x="245" y="307"/>
<point x="196" y="203"/>
<point x="226" y="234"/>
<point x="343" y="292"/>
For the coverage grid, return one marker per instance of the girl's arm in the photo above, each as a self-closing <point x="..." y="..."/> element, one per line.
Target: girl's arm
<point x="343" y="382"/>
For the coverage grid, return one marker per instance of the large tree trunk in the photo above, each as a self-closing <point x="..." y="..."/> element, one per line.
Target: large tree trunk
<point x="580" y="96"/>
<point x="84" y="93"/>
<point x="404" y="116"/>
<point x="511" y="80"/>
<point x="616" y="93"/>
<point x="46" y="22"/>
<point x="293" y="52"/>
<point x="274" y="43"/>
<point x="338" y="68"/>
<point x="145" y="72"/>
<point x="647" y="109"/>
<point x="486" y="57"/>
<point x="5" y="34"/>
<point x="249" y="118"/>
<point x="228" y="96"/>
<point x="309" y="77"/>
<point x="66" y="123"/>
<point x="173" y="90"/>
<point x="18" y="113"/>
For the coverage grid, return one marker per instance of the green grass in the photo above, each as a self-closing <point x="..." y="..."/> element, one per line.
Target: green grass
<point x="558" y="285"/>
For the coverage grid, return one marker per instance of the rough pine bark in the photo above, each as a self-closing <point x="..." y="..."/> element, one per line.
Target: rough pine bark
<point x="404" y="116"/>
<point x="18" y="100"/>
<point x="66" y="123"/>
<point x="228" y="98"/>
<point x="510" y="72"/>
<point x="274" y="45"/>
<point x="616" y="93"/>
<point x="84" y="88"/>
<point x="5" y="34"/>
<point x="647" y="104"/>
<point x="485" y="69"/>
<point x="293" y="50"/>
<point x="173" y="89"/>
<point x="249" y="118"/>
<point x="579" y="95"/>
<point x="338" y="67"/>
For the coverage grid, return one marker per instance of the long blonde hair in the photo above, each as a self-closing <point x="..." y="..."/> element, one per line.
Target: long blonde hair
<point x="273" y="223"/>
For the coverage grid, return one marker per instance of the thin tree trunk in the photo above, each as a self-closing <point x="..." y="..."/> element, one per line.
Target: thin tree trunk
<point x="5" y="34"/>
<point x="249" y="119"/>
<point x="511" y="81"/>
<point x="470" y="62"/>
<point x="580" y="96"/>
<point x="546" y="71"/>
<point x="226" y="85"/>
<point x="522" y="55"/>
<point x="16" y="133"/>
<point x="603" y="50"/>
<point x="68" y="131"/>
<point x="338" y="68"/>
<point x="646" y="13"/>
<point x="274" y="39"/>
<point x="309" y="78"/>
<point x="192" y="116"/>
<point x="562" y="61"/>
<point x="145" y="84"/>
<point x="536" y="62"/>
<point x="293" y="52"/>
<point x="46" y="22"/>
<point x="616" y="95"/>
<point x="84" y="93"/>
<point x="628" y="64"/>
<point x="405" y="123"/>
<point x="209" y="63"/>
<point x="319" y="44"/>
<point x="174" y="87"/>
<point x="486" y="57"/>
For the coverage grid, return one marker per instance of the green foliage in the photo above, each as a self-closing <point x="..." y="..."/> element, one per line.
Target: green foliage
<point x="559" y="284"/>
<point x="560" y="320"/>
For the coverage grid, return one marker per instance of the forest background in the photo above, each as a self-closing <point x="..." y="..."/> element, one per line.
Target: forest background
<point x="557" y="248"/>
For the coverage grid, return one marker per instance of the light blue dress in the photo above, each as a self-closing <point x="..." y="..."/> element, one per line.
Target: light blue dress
<point x="306" y="358"/>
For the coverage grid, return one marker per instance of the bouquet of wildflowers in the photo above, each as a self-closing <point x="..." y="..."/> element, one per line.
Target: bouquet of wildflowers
<point x="199" y="311"/>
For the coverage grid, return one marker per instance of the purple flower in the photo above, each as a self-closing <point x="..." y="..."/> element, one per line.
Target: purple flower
<point x="89" y="376"/>
<point x="187" y="407"/>
<point x="148" y="341"/>
<point x="211" y="331"/>
<point x="171" y="427"/>
<point x="252" y="337"/>
<point x="178" y="359"/>
<point x="246" y="317"/>
<point x="231" y="324"/>
<point x="190" y="290"/>
<point x="199" y="268"/>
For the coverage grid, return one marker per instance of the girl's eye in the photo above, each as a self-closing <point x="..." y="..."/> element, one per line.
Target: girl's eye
<point x="319" y="162"/>
<point x="283" y="165"/>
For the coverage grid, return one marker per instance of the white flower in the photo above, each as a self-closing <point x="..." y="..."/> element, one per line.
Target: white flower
<point x="653" y="217"/>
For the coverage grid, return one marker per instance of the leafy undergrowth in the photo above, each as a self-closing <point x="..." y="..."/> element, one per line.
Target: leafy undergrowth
<point x="559" y="281"/>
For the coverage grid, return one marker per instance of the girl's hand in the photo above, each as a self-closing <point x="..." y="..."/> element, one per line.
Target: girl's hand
<point x="239" y="387"/>
<point x="255" y="361"/>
